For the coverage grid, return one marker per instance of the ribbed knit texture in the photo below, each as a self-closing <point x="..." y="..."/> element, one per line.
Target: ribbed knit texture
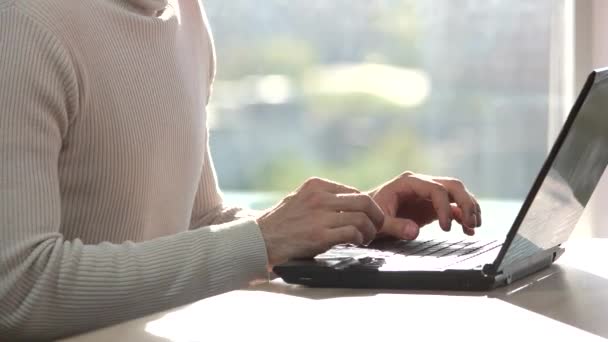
<point x="109" y="205"/>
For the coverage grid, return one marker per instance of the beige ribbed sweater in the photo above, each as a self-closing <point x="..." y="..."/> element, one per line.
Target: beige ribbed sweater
<point x="109" y="206"/>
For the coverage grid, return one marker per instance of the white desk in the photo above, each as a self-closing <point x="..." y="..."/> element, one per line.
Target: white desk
<point x="568" y="302"/>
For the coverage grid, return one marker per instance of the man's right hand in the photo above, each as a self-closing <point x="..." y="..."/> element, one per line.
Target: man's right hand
<point x="317" y="216"/>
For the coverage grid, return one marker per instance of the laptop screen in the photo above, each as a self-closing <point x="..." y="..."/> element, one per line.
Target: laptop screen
<point x="570" y="174"/>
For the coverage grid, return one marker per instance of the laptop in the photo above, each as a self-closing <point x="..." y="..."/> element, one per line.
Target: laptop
<point x="548" y="215"/>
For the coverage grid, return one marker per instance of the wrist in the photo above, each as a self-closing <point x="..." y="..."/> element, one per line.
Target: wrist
<point x="268" y="238"/>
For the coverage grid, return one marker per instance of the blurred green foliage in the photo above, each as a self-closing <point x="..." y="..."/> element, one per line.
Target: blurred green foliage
<point x="484" y="119"/>
<point x="278" y="54"/>
<point x="306" y="35"/>
<point x="393" y="153"/>
<point x="326" y="107"/>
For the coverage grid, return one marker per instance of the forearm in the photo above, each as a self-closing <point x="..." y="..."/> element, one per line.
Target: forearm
<point x="50" y="287"/>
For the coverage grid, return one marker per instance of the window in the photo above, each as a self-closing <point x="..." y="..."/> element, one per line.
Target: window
<point x="358" y="91"/>
<point x="588" y="50"/>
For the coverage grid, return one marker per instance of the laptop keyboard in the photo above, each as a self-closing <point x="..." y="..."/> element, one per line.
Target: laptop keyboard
<point x="436" y="248"/>
<point x="430" y="254"/>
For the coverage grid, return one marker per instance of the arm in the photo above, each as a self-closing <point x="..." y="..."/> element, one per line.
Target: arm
<point x="49" y="286"/>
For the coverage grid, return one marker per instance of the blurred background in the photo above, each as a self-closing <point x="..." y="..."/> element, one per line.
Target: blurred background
<point x="359" y="91"/>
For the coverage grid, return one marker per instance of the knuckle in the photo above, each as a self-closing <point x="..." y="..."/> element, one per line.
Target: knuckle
<point x="361" y="219"/>
<point x="457" y="183"/>
<point x="468" y="209"/>
<point x="312" y="182"/>
<point x="366" y="227"/>
<point x="314" y="199"/>
<point x="406" y="174"/>
<point x="354" y="236"/>
<point x="406" y="178"/>
<point x="366" y="201"/>
<point x="345" y="235"/>
<point x="289" y="197"/>
<point x="440" y="189"/>
<point x="468" y="206"/>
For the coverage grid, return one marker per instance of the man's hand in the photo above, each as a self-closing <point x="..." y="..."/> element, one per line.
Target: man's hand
<point x="411" y="201"/>
<point x="317" y="216"/>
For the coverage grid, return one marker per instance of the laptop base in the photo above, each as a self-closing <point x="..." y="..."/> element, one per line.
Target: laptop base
<point x="304" y="273"/>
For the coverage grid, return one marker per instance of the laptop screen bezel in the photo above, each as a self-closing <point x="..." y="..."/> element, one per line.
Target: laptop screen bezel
<point x="547" y="165"/>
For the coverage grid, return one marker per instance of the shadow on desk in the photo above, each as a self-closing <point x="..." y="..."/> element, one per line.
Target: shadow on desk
<point x="568" y="295"/>
<point x="565" y="294"/>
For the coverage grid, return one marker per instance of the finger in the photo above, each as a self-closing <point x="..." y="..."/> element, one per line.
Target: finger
<point x="346" y="234"/>
<point x="457" y="214"/>
<point x="400" y="228"/>
<point x="434" y="191"/>
<point x="477" y="211"/>
<point x="358" y="203"/>
<point x="463" y="198"/>
<point x="357" y="219"/>
<point x="320" y="184"/>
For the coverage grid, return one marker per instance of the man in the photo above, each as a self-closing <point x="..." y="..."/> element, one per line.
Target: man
<point x="109" y="205"/>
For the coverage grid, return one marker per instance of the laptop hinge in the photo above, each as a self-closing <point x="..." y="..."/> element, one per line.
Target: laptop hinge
<point x="526" y="266"/>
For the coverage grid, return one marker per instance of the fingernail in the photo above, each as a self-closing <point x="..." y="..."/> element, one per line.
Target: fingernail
<point x="410" y="231"/>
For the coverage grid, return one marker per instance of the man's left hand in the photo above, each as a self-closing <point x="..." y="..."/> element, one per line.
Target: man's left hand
<point x="411" y="201"/>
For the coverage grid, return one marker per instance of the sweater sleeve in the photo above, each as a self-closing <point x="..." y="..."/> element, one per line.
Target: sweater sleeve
<point x="51" y="287"/>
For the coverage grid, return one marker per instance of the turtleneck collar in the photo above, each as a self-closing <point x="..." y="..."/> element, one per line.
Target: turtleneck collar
<point x="150" y="7"/>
